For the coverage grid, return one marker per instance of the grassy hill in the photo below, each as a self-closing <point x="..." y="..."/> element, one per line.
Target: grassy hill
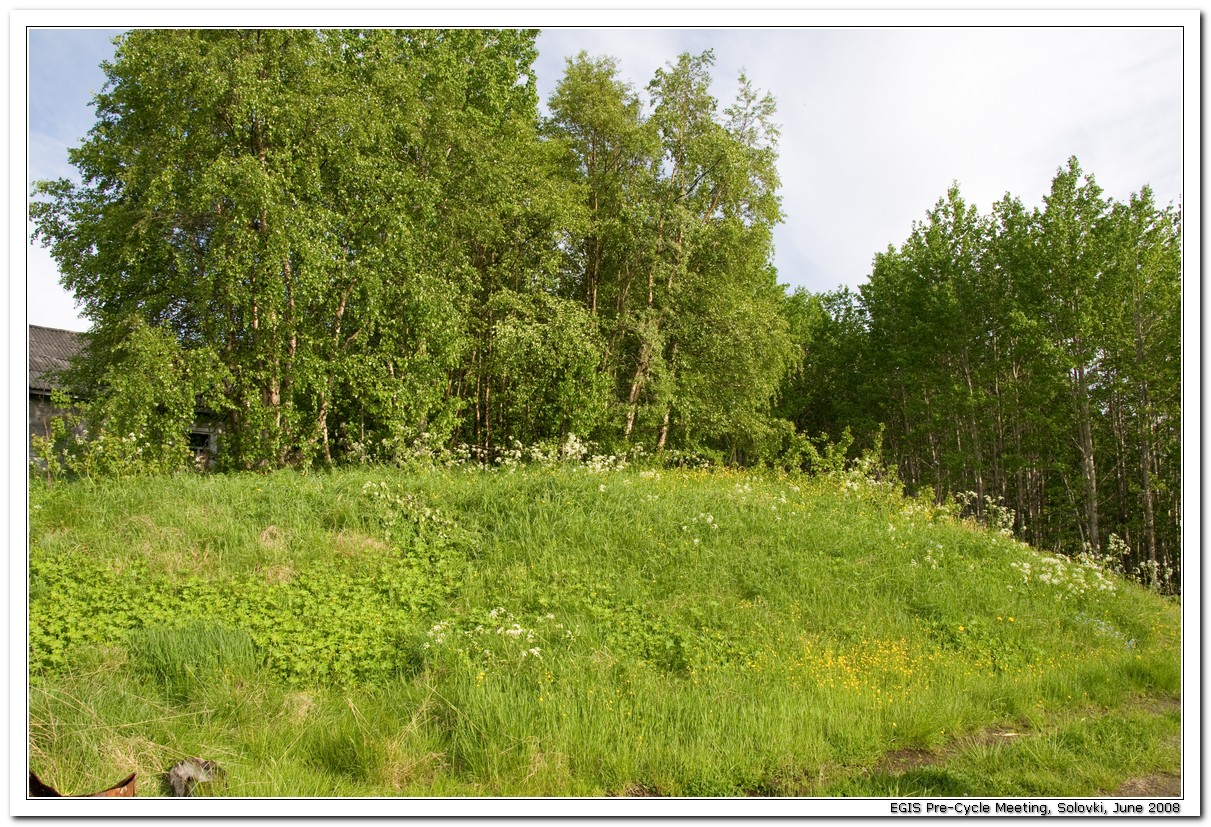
<point x="557" y="630"/>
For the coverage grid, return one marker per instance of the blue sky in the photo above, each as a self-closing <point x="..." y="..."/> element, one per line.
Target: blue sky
<point x="876" y="122"/>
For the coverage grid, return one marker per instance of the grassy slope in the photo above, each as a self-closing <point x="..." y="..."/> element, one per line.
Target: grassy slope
<point x="371" y="633"/>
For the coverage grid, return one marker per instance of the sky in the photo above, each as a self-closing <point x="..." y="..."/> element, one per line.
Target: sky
<point x="876" y="123"/>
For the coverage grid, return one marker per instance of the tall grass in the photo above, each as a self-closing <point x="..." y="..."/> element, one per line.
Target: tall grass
<point x="182" y="660"/>
<point x="554" y="631"/>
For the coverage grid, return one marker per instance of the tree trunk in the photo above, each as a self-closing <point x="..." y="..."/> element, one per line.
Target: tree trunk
<point x="1088" y="466"/>
<point x="322" y="423"/>
<point x="974" y="430"/>
<point x="637" y="386"/>
<point x="664" y="430"/>
<point x="1147" y="449"/>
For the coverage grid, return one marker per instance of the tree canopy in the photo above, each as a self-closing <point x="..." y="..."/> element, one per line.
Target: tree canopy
<point x="374" y="238"/>
<point x="1029" y="357"/>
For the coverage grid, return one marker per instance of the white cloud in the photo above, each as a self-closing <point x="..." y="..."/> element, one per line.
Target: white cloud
<point x="48" y="304"/>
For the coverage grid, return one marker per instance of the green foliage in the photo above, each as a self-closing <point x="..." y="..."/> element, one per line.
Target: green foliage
<point x="183" y="658"/>
<point x="372" y="241"/>
<point x="334" y="621"/>
<point x="792" y="450"/>
<point x="77" y="601"/>
<point x="546" y="363"/>
<point x="563" y="628"/>
<point x="365" y="246"/>
<point x="141" y="400"/>
<point x="1027" y="360"/>
<point x="49" y="451"/>
<point x="675" y="260"/>
<point x="1082" y="756"/>
<point x="343" y="747"/>
<point x="282" y="200"/>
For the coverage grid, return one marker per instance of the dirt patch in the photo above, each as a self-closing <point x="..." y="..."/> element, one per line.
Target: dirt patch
<point x="404" y="769"/>
<point x="638" y="791"/>
<point x="1157" y="785"/>
<point x="298" y="704"/>
<point x="604" y="657"/>
<point x="273" y="538"/>
<point x="278" y="574"/>
<point x="353" y="544"/>
<point x="904" y="760"/>
<point x="1159" y="706"/>
<point x="1151" y="786"/>
<point x="987" y="738"/>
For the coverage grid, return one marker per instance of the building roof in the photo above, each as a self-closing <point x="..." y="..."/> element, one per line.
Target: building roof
<point x="50" y="349"/>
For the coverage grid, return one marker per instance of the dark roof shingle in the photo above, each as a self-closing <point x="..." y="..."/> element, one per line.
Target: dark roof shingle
<point x="50" y="350"/>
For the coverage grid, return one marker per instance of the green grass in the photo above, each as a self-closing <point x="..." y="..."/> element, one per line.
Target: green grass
<point x="552" y="631"/>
